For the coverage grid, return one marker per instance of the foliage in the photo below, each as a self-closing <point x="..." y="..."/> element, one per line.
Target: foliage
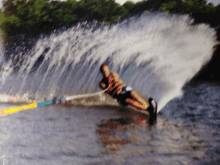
<point x="169" y="7"/>
<point x="210" y="8"/>
<point x="129" y="6"/>
<point x="2" y="17"/>
<point x="21" y="15"/>
<point x="190" y="6"/>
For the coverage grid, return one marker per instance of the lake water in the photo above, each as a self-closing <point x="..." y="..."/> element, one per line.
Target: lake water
<point x="187" y="132"/>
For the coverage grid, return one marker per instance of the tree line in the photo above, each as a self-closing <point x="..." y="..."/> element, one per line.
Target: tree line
<point x="25" y="15"/>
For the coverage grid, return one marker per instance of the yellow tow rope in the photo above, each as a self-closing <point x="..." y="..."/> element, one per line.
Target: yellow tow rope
<point x="20" y="108"/>
<point x="4" y="112"/>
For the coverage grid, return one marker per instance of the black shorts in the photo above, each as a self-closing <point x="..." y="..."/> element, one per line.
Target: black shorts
<point x="125" y="93"/>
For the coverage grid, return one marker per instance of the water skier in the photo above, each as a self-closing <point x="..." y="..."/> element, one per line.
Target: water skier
<point x="125" y="94"/>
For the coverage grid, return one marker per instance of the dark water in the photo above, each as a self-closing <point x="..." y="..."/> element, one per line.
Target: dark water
<point x="187" y="132"/>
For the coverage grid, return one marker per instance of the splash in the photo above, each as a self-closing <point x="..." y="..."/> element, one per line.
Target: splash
<point x="1" y="50"/>
<point x="156" y="54"/>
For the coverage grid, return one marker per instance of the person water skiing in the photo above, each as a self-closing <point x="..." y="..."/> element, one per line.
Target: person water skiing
<point x="125" y="94"/>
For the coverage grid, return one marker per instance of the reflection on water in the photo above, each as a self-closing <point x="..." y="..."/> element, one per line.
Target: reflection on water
<point x="167" y="142"/>
<point x="109" y="133"/>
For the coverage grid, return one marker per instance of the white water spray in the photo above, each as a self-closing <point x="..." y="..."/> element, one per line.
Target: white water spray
<point x="1" y="50"/>
<point x="155" y="54"/>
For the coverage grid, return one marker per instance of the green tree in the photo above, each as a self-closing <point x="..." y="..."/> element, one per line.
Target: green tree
<point x="210" y="8"/>
<point x="86" y="9"/>
<point x="23" y="13"/>
<point x="37" y="11"/>
<point x="2" y="20"/>
<point x="2" y="17"/>
<point x="191" y="6"/>
<point x="129" y="5"/>
<point x="64" y="11"/>
<point x="114" y="11"/>
<point x="169" y="7"/>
